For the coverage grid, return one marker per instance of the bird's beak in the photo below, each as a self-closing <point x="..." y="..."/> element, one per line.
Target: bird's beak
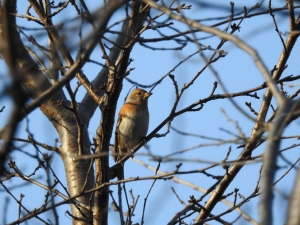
<point x="147" y="95"/>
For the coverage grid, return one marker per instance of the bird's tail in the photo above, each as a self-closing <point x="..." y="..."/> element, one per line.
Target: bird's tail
<point x="120" y="173"/>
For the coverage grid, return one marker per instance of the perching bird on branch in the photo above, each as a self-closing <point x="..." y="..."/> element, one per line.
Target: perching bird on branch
<point x="132" y="124"/>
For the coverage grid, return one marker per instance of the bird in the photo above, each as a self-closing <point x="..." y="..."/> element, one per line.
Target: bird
<point x="132" y="124"/>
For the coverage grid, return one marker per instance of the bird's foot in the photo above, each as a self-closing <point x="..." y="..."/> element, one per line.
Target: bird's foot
<point x="131" y="152"/>
<point x="144" y="140"/>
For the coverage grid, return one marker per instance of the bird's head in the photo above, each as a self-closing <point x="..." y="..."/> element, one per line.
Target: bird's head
<point x="138" y="96"/>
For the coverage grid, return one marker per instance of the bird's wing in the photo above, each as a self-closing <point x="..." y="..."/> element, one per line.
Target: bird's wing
<point x="117" y="133"/>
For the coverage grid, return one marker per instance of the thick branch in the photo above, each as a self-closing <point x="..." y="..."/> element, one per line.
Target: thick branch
<point x="269" y="159"/>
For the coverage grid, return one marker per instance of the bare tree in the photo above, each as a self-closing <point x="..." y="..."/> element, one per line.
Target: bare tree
<point x="47" y="56"/>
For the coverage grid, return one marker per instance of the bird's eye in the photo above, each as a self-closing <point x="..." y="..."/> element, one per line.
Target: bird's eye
<point x="139" y="93"/>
